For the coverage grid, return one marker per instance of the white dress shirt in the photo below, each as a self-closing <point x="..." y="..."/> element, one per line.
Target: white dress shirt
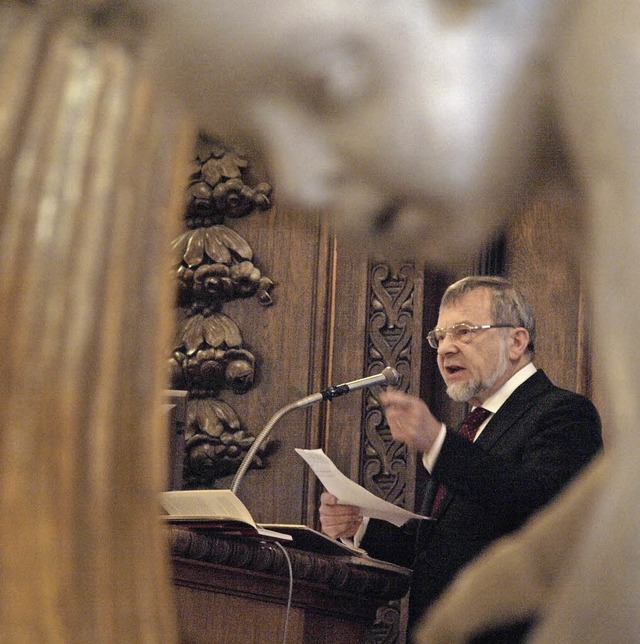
<point x="492" y="404"/>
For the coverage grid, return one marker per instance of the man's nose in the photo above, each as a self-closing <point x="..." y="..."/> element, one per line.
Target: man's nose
<point x="447" y="345"/>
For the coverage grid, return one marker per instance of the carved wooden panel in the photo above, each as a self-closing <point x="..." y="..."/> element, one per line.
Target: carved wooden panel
<point x="377" y="321"/>
<point x="388" y="468"/>
<point x="214" y="265"/>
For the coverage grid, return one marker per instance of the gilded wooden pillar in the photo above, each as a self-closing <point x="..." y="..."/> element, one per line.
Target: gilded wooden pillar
<point x="92" y="173"/>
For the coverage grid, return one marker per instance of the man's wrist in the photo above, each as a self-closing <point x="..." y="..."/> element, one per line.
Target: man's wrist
<point x="430" y="457"/>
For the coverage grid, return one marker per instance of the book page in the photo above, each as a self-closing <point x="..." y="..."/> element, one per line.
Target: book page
<point x="205" y="504"/>
<point x="219" y="510"/>
<point x="350" y="493"/>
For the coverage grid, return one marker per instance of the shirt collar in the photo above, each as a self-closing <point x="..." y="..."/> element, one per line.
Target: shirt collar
<point x="494" y="402"/>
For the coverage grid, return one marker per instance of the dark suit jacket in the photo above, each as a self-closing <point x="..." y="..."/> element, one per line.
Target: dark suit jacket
<point x="536" y="442"/>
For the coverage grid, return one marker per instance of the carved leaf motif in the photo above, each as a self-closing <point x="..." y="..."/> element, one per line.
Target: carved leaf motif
<point x="218" y="242"/>
<point x="211" y="172"/>
<point x="208" y="421"/>
<point x="193" y="412"/>
<point x="235" y="242"/>
<point x="214" y="244"/>
<point x="225" y="413"/>
<point x="191" y="335"/>
<point x="218" y="329"/>
<point x="194" y="251"/>
<point x="180" y="243"/>
<point x="212" y="417"/>
<point x="228" y="166"/>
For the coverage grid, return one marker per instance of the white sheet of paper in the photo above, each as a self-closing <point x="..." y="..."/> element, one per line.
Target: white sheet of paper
<point x="350" y="493"/>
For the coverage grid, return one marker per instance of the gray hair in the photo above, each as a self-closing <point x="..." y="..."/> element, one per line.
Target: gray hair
<point x="508" y="303"/>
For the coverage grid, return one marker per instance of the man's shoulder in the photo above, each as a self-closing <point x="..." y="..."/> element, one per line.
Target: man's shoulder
<point x="537" y="384"/>
<point x="539" y="393"/>
<point x="540" y="383"/>
<point x="545" y="384"/>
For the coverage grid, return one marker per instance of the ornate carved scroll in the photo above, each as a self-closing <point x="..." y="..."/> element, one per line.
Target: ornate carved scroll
<point x="389" y="336"/>
<point x="214" y="265"/>
<point x="386" y="468"/>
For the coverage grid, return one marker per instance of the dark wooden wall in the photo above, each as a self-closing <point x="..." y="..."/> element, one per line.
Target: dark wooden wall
<point x="543" y="247"/>
<point x="544" y="254"/>
<point x="338" y="315"/>
<point x="289" y="341"/>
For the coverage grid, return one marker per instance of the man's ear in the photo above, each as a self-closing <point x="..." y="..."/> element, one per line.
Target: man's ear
<point x="519" y="342"/>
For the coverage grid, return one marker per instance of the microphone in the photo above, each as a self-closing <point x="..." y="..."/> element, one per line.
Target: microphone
<point x="388" y="376"/>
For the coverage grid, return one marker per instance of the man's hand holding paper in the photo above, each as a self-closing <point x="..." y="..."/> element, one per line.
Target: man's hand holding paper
<point x="345" y="503"/>
<point x="338" y="520"/>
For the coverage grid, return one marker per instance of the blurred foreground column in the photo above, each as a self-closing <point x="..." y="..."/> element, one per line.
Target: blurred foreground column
<point x="92" y="170"/>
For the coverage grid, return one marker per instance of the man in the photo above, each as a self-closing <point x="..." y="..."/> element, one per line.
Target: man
<point x="534" y="439"/>
<point x="427" y="141"/>
<point x="485" y="75"/>
<point x="517" y="576"/>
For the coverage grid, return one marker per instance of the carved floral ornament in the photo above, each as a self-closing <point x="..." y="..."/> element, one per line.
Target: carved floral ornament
<point x="214" y="265"/>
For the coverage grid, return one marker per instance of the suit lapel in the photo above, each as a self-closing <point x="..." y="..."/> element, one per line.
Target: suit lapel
<point x="511" y="411"/>
<point x="516" y="406"/>
<point x="430" y="490"/>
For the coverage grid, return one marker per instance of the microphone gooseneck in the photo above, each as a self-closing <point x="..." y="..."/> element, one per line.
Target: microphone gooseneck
<point x="388" y="376"/>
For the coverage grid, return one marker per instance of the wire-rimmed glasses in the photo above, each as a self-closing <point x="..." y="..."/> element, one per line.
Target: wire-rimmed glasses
<point x="460" y="332"/>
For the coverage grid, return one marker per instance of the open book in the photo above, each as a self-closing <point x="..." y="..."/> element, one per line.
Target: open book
<point x="222" y="511"/>
<point x="219" y="510"/>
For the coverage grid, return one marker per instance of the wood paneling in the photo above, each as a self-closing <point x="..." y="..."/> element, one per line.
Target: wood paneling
<point x="542" y="250"/>
<point x="288" y="340"/>
<point x="220" y="604"/>
<point x="233" y="589"/>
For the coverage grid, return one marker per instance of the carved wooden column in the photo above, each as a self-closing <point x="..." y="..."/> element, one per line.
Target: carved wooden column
<point x="91" y="179"/>
<point x="377" y="321"/>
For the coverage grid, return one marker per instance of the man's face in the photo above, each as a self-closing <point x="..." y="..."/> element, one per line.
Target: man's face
<point x="409" y="122"/>
<point x="473" y="371"/>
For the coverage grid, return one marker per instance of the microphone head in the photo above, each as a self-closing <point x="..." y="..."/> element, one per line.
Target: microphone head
<point x="392" y="376"/>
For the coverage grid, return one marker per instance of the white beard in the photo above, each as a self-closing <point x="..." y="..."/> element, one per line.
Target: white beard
<point x="464" y="391"/>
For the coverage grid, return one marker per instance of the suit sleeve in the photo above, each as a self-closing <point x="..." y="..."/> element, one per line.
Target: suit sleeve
<point x="385" y="541"/>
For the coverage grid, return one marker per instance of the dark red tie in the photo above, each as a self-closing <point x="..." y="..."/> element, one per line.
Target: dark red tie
<point x="468" y="429"/>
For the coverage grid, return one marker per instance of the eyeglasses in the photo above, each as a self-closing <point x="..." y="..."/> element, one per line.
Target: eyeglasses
<point x="461" y="332"/>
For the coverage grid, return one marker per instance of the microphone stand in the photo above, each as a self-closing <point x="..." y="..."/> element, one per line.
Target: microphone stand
<point x="387" y="376"/>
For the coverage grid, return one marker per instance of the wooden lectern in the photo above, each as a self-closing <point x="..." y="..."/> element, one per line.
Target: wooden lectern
<point x="236" y="590"/>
